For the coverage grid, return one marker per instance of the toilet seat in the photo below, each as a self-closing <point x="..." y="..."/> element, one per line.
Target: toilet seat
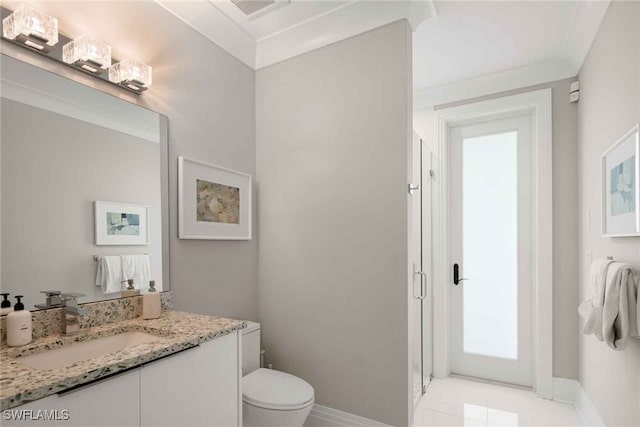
<point x="275" y="390"/>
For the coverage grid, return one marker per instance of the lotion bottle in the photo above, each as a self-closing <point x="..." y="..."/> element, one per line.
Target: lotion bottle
<point x="19" y="326"/>
<point x="151" y="302"/>
<point x="5" y="306"/>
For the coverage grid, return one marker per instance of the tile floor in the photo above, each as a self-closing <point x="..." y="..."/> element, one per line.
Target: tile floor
<point x="459" y="402"/>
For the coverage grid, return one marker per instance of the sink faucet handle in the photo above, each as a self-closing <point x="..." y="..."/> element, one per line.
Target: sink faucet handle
<point x="52" y="299"/>
<point x="71" y="297"/>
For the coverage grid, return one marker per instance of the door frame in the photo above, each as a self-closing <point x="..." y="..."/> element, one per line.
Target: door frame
<point x="538" y="104"/>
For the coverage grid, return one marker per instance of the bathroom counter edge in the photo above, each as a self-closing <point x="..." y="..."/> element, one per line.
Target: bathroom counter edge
<point x="20" y="384"/>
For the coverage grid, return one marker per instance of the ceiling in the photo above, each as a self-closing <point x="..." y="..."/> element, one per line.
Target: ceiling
<point x="474" y="48"/>
<point x="461" y="49"/>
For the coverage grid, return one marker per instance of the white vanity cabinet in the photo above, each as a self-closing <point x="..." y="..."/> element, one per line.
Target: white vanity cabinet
<point x="114" y="401"/>
<point x="197" y="387"/>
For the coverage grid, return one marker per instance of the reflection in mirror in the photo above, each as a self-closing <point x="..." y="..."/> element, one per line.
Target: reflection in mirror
<point x="55" y="167"/>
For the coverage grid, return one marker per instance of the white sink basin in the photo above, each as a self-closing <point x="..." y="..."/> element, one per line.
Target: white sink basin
<point x="72" y="353"/>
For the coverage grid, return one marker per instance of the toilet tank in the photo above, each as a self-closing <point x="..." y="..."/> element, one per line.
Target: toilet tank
<point x="250" y="348"/>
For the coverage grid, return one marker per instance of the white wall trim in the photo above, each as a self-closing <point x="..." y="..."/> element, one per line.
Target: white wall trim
<point x="517" y="78"/>
<point x="585" y="23"/>
<point x="586" y="409"/>
<point x="571" y="391"/>
<point x="322" y="416"/>
<point x="538" y="103"/>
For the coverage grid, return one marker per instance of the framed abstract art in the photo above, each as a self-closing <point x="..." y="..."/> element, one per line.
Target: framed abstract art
<point x="213" y="202"/>
<point x="620" y="187"/>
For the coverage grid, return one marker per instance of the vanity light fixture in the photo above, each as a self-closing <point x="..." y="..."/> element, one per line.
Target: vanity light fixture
<point x="88" y="53"/>
<point x="131" y="74"/>
<point x="32" y="28"/>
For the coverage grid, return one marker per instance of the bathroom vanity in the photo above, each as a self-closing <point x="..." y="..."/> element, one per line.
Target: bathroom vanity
<point x="181" y="369"/>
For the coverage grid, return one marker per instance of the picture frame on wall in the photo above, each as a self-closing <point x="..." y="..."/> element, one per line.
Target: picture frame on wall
<point x="214" y="203"/>
<point x="121" y="224"/>
<point x="621" y="187"/>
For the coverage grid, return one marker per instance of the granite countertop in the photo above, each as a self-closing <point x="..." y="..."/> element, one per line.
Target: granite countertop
<point x="20" y="383"/>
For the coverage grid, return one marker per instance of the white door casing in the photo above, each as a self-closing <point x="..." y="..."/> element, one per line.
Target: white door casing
<point x="538" y="103"/>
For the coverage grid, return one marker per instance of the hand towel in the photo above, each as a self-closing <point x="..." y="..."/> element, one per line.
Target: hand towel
<point x="109" y="274"/>
<point x="619" y="317"/>
<point x="591" y="308"/>
<point x="138" y="268"/>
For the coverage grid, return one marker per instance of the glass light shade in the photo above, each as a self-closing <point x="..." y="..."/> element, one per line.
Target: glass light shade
<point x="87" y="53"/>
<point x="31" y="27"/>
<point x="131" y="74"/>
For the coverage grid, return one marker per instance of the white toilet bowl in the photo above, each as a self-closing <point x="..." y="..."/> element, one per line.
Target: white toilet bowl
<point x="272" y="398"/>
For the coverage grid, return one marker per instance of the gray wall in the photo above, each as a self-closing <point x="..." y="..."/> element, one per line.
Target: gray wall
<point x="565" y="227"/>
<point x="53" y="168"/>
<point x="209" y="98"/>
<point x="609" y="107"/>
<point x="333" y="127"/>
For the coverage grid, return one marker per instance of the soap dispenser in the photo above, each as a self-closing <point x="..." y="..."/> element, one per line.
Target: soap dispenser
<point x="131" y="290"/>
<point x="5" y="306"/>
<point x="151" y="302"/>
<point x="19" y="325"/>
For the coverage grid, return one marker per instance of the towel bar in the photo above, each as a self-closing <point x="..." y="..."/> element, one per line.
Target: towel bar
<point x="97" y="258"/>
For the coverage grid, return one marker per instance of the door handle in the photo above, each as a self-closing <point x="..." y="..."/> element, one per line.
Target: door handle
<point x="423" y="285"/>
<point x="456" y="275"/>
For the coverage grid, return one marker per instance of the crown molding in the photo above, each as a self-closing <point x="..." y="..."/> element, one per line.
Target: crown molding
<point x="587" y="17"/>
<point x="209" y="21"/>
<point x="344" y="21"/>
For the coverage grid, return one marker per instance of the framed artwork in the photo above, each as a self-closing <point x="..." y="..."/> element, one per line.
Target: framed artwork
<point x="620" y="187"/>
<point x="213" y="203"/>
<point x="121" y="224"/>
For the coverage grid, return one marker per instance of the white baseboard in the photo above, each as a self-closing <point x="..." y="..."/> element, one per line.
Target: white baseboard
<point x="571" y="391"/>
<point x="587" y="410"/>
<point x="321" y="416"/>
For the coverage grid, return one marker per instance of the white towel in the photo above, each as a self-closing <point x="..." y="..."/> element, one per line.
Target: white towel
<point x="138" y="268"/>
<point x="619" y="317"/>
<point x="591" y="308"/>
<point x="109" y="274"/>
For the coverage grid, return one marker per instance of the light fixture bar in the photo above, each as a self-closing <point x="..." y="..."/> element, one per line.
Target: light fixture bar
<point x="41" y="41"/>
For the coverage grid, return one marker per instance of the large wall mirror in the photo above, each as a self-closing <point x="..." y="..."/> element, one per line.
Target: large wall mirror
<point x="64" y="147"/>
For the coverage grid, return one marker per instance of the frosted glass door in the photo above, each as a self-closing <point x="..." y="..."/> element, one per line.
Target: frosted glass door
<point x="491" y="245"/>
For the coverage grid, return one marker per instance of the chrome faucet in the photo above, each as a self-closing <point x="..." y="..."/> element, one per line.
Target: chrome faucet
<point x="53" y="299"/>
<point x="72" y="313"/>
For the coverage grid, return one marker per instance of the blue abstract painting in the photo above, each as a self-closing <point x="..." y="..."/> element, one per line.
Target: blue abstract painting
<point x="123" y="224"/>
<point x="623" y="187"/>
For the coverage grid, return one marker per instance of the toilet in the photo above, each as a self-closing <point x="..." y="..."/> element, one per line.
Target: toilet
<point x="270" y="398"/>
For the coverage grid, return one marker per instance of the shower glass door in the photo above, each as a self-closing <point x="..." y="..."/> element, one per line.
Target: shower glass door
<point x="420" y="263"/>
